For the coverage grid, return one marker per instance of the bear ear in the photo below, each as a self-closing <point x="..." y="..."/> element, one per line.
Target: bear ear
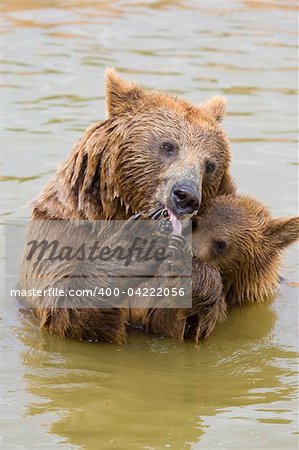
<point x="121" y="95"/>
<point x="283" y="232"/>
<point x="215" y="107"/>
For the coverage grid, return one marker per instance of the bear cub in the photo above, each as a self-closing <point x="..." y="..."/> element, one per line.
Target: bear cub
<point x="238" y="236"/>
<point x="237" y="246"/>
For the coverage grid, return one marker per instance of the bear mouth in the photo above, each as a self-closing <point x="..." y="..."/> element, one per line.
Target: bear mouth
<point x="162" y="213"/>
<point x="175" y="221"/>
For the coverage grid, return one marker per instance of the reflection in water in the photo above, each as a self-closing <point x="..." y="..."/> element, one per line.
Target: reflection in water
<point x="238" y="389"/>
<point x="154" y="393"/>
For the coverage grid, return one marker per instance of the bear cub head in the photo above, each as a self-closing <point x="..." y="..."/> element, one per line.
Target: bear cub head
<point x="238" y="236"/>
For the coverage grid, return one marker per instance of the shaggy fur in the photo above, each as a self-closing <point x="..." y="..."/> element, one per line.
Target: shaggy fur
<point x="198" y="322"/>
<point x="81" y="315"/>
<point x="238" y="236"/>
<point x="237" y="248"/>
<point x="118" y="168"/>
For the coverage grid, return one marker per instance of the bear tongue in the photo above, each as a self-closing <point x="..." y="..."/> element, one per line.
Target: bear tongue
<point x="176" y="223"/>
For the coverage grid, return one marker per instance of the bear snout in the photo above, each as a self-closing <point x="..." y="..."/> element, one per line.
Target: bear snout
<point x="185" y="198"/>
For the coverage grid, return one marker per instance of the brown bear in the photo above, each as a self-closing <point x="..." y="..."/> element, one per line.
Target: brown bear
<point x="237" y="248"/>
<point x="153" y="150"/>
<point x="238" y="236"/>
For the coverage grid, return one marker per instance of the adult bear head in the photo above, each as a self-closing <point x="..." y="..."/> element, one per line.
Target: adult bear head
<point x="153" y="150"/>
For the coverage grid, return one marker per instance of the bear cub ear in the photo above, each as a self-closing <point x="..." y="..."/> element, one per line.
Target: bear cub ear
<point x="121" y="95"/>
<point x="215" y="107"/>
<point x="283" y="232"/>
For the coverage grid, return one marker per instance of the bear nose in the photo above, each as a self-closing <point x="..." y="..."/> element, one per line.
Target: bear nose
<point x="185" y="198"/>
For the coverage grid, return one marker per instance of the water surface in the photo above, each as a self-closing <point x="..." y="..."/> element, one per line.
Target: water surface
<point x="238" y="389"/>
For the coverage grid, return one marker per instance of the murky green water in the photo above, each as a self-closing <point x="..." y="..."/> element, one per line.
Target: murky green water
<point x="238" y="389"/>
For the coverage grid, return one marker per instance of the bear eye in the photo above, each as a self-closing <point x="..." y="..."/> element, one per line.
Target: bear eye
<point x="210" y="167"/>
<point x="168" y="148"/>
<point x="221" y="245"/>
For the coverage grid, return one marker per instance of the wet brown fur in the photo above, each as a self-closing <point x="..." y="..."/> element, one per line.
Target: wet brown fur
<point x="208" y="308"/>
<point x="254" y="243"/>
<point x="246" y="271"/>
<point x="116" y="169"/>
